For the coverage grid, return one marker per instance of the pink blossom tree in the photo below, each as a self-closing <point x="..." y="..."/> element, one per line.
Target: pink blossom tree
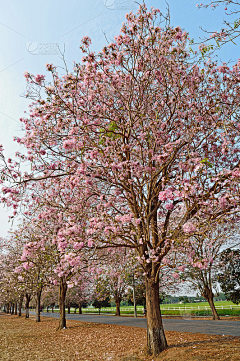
<point x="230" y="28"/>
<point x="66" y="259"/>
<point x="83" y="290"/>
<point x="200" y="260"/>
<point x="12" y="289"/>
<point x="48" y="207"/>
<point x="112" y="278"/>
<point x="50" y="297"/>
<point x="35" y="268"/>
<point x="150" y="138"/>
<point x="80" y="290"/>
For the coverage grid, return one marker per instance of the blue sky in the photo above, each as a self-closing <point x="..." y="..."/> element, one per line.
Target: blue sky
<point x="29" y="30"/>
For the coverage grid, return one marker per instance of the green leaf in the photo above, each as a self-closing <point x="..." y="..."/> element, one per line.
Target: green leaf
<point x="206" y="161"/>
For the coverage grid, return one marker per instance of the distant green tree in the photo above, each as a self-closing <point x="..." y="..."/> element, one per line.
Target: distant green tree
<point x="103" y="303"/>
<point x="221" y="297"/>
<point x="162" y="296"/>
<point x="184" y="299"/>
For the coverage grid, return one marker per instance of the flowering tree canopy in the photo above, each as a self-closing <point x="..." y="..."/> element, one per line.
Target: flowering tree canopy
<point x="149" y="141"/>
<point x="231" y="26"/>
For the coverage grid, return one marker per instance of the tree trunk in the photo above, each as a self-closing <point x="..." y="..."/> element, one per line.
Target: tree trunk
<point x="68" y="309"/>
<point x="62" y="296"/>
<point x="117" y="301"/>
<point x="80" y="308"/>
<point x="38" y="304"/>
<point x="20" y="306"/>
<point x="15" y="308"/>
<point x="208" y="295"/>
<point x="12" y="311"/>
<point x="156" y="340"/>
<point x="52" y="309"/>
<point x="28" y="298"/>
<point x="8" y="307"/>
<point x="213" y="309"/>
<point x="99" y="311"/>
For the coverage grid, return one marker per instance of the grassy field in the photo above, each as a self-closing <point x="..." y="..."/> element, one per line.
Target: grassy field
<point x="224" y="308"/>
<point x="25" y="340"/>
<point x="200" y="304"/>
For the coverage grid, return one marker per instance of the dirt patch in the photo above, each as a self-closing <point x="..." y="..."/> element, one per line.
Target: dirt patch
<point x="25" y="340"/>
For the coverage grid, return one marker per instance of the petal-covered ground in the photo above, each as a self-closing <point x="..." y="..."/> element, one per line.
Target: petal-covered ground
<point x="25" y="340"/>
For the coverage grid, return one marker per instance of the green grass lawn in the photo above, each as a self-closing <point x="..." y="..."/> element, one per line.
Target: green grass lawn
<point x="196" y="308"/>
<point x="199" y="304"/>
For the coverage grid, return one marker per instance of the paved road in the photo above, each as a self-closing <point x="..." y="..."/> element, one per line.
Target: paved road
<point x="202" y="326"/>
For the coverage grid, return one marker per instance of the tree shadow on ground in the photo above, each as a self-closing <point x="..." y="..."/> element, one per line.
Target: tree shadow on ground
<point x="205" y="342"/>
<point x="85" y="325"/>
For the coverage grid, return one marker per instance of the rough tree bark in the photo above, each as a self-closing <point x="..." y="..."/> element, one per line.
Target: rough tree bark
<point x="38" y="304"/>
<point x="12" y="311"/>
<point x="28" y="299"/>
<point x="156" y="340"/>
<point x="117" y="301"/>
<point x="208" y="295"/>
<point x="80" y="308"/>
<point x="69" y="308"/>
<point x="62" y="296"/>
<point x="20" y="306"/>
<point x="53" y="307"/>
<point x="15" y="309"/>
